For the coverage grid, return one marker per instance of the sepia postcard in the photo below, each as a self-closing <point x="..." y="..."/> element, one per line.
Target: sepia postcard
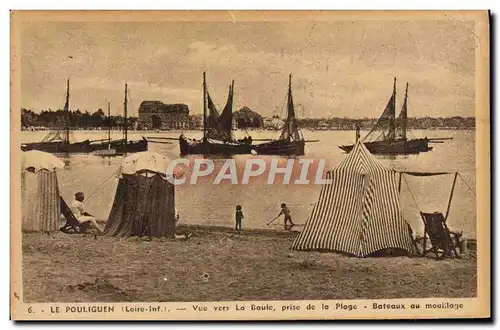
<point x="250" y="165"/>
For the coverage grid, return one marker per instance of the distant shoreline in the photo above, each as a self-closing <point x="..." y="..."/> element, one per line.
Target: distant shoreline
<point x="98" y="121"/>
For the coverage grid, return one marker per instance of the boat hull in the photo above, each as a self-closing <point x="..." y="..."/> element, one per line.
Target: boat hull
<point x="398" y="147"/>
<point x="210" y="148"/>
<point x="86" y="146"/>
<point x="105" y="152"/>
<point x="59" y="147"/>
<point x="281" y="147"/>
<point x="121" y="147"/>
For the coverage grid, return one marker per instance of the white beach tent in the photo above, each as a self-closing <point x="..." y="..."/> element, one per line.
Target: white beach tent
<point x="40" y="191"/>
<point x="359" y="211"/>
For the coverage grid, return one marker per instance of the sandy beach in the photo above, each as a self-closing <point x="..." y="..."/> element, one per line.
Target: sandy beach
<point x="217" y="264"/>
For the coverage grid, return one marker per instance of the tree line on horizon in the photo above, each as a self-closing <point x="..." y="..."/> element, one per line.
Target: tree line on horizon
<point x="77" y="119"/>
<point x="98" y="119"/>
<point x="456" y="122"/>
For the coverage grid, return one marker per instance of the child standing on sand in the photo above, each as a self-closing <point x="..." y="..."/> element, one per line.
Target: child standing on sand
<point x="239" y="218"/>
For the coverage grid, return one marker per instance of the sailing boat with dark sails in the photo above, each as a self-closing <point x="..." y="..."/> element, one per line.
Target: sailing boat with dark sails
<point x="291" y="141"/>
<point x="392" y="138"/>
<point x="58" y="139"/>
<point x="217" y="130"/>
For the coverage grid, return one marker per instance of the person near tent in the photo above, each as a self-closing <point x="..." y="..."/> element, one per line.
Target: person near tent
<point x="177" y="217"/>
<point x="286" y="212"/>
<point x="239" y="218"/>
<point x="187" y="234"/>
<point x="184" y="236"/>
<point x="81" y="216"/>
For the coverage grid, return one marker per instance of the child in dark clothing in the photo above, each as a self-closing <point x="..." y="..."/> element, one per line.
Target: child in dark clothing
<point x="239" y="218"/>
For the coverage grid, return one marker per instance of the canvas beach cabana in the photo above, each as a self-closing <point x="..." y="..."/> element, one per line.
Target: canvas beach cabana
<point x="444" y="242"/>
<point x="358" y="212"/>
<point x="144" y="203"/>
<point x="40" y="191"/>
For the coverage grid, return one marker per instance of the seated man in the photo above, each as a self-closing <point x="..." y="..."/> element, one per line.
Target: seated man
<point x="80" y="215"/>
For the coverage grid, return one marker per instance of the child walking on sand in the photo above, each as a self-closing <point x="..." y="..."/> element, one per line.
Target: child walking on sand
<point x="286" y="211"/>
<point x="239" y="218"/>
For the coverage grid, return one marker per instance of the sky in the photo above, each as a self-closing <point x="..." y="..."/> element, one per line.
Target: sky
<point x="339" y="68"/>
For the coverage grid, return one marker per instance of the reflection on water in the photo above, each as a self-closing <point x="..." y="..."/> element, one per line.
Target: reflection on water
<point x="214" y="204"/>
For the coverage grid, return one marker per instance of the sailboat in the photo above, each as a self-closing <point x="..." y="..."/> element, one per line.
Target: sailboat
<point x="291" y="141"/>
<point x="217" y="130"/>
<point x="109" y="151"/>
<point x="58" y="140"/>
<point x="392" y="138"/>
<point x="123" y="145"/>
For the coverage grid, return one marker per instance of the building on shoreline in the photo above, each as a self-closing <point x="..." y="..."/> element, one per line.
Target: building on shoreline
<point x="158" y="115"/>
<point x="247" y="118"/>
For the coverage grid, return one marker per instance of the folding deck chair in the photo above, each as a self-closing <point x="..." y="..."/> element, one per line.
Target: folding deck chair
<point x="444" y="242"/>
<point x="72" y="226"/>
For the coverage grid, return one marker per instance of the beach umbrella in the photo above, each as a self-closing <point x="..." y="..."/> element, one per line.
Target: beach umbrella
<point x="40" y="191"/>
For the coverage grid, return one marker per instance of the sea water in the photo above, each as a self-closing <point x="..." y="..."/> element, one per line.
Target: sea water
<point x="215" y="204"/>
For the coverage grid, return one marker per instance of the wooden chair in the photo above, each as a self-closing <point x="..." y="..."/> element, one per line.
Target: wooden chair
<point x="444" y="243"/>
<point x="72" y="226"/>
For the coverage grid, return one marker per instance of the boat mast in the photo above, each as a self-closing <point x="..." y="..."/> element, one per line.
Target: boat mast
<point x="290" y="106"/>
<point x="232" y="98"/>
<point x="125" y="115"/>
<point x="392" y="116"/>
<point x="204" y="108"/>
<point x="290" y="124"/>
<point x="109" y="127"/>
<point x="66" y="110"/>
<point x="404" y="114"/>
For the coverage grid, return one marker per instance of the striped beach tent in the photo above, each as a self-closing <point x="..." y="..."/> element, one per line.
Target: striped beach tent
<point x="358" y="211"/>
<point x="40" y="191"/>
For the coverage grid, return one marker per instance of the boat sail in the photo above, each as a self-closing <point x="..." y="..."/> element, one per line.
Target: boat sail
<point x="392" y="132"/>
<point x="58" y="139"/>
<point x="291" y="141"/>
<point x="123" y="145"/>
<point x="217" y="130"/>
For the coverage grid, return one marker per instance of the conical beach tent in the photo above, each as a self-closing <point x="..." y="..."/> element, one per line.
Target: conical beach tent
<point x="358" y="212"/>
<point x="144" y="202"/>
<point x="41" y="210"/>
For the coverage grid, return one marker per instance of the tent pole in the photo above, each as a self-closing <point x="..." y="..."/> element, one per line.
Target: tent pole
<point x="399" y="185"/>
<point x="451" y="196"/>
